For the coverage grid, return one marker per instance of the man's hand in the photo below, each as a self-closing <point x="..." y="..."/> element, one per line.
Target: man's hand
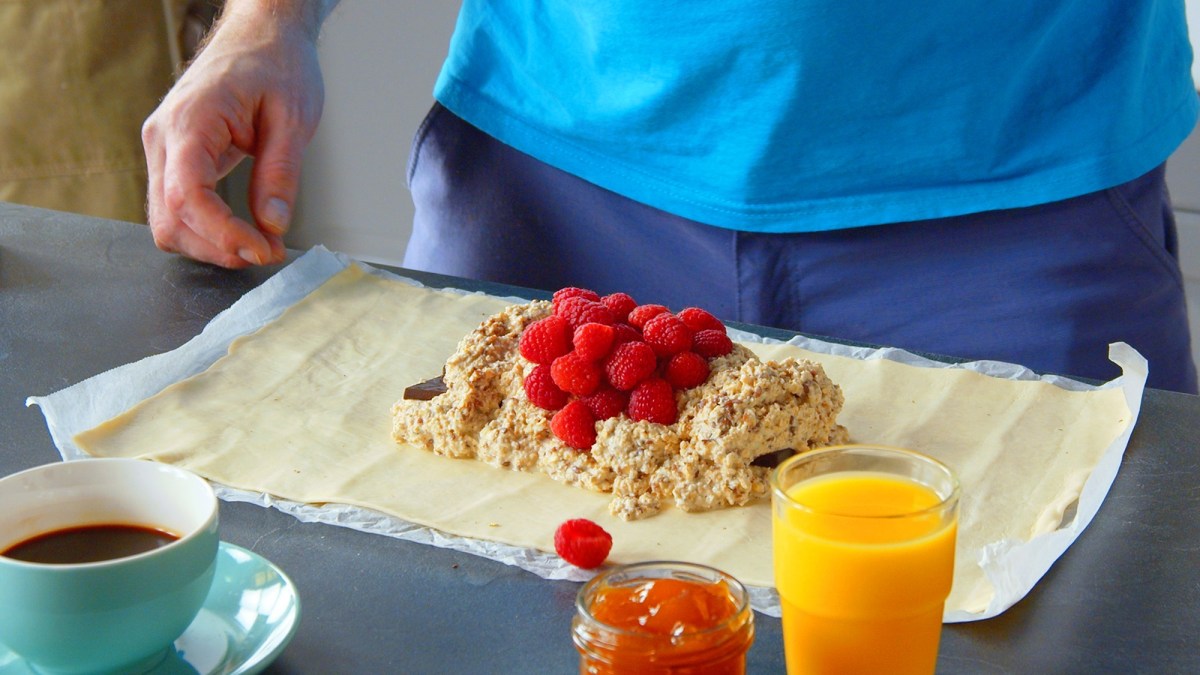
<point x="255" y="89"/>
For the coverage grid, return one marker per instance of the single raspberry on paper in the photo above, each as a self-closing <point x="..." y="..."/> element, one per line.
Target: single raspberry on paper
<point x="572" y="292"/>
<point x="582" y="543"/>
<point x="667" y="334"/>
<point x="621" y="305"/>
<point x="686" y="370"/>
<point x="629" y="364"/>
<point x="698" y="319"/>
<point x="606" y="402"/>
<point x="545" y="340"/>
<point x="643" y="313"/>
<point x="541" y="390"/>
<point x="575" y="375"/>
<point x="653" y="401"/>
<point x="578" y="311"/>
<point x="593" y="341"/>
<point x="711" y="343"/>
<point x="575" y="425"/>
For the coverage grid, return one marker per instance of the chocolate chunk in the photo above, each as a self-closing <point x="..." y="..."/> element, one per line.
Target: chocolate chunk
<point x="773" y="459"/>
<point x="425" y="391"/>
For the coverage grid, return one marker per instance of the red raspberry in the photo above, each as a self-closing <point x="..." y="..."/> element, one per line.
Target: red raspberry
<point x="697" y="319"/>
<point x="541" y="390"/>
<point x="606" y="402"/>
<point x="711" y="343"/>
<point x="621" y="305"/>
<point x="574" y="425"/>
<point x="667" y="334"/>
<point x="545" y="340"/>
<point x="629" y="364"/>
<point x="593" y="341"/>
<point x="653" y="401"/>
<point x="573" y="292"/>
<point x="643" y="313"/>
<point x="578" y="311"/>
<point x="686" y="370"/>
<point x="575" y="375"/>
<point x="625" y="333"/>
<point x="582" y="543"/>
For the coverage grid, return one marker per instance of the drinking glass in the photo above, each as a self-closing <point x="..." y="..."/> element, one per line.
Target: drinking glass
<point x="864" y="542"/>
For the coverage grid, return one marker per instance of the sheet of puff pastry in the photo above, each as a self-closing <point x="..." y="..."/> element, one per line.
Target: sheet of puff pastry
<point x="300" y="410"/>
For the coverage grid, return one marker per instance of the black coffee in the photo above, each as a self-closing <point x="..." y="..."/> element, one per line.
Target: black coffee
<point x="89" y="543"/>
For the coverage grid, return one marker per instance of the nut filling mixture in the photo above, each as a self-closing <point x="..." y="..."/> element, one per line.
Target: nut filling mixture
<point x="656" y="408"/>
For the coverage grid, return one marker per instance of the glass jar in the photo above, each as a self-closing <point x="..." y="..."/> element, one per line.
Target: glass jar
<point x="663" y="618"/>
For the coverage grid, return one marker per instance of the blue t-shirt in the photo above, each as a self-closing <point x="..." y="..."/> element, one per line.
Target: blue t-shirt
<point x="805" y="115"/>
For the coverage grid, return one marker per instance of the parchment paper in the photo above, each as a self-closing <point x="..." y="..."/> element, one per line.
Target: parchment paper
<point x="295" y="417"/>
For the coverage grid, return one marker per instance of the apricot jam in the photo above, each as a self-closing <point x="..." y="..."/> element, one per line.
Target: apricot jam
<point x="663" y="618"/>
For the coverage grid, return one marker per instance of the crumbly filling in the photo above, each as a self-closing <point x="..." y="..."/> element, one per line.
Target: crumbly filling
<point x="746" y="409"/>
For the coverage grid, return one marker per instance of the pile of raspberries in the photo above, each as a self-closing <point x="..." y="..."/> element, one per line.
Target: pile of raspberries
<point x="599" y="357"/>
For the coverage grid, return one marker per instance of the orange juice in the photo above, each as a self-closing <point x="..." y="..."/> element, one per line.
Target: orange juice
<point x="863" y="565"/>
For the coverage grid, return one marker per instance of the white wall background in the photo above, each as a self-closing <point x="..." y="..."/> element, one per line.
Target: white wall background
<point x="1193" y="20"/>
<point x="380" y="59"/>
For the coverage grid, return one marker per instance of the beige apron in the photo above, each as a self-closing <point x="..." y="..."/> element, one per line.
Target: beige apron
<point x="77" y="79"/>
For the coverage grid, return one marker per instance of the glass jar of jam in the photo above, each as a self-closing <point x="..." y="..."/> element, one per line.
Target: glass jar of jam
<point x="663" y="618"/>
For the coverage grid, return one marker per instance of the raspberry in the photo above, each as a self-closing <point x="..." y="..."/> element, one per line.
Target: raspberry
<point x="573" y="292"/>
<point x="686" y="370"/>
<point x="625" y="333"/>
<point x="575" y="375"/>
<point x="545" y="340"/>
<point x="621" y="305"/>
<point x="541" y="390"/>
<point x="711" y="343"/>
<point x="606" y="402"/>
<point x="653" y="401"/>
<point x="629" y="364"/>
<point x="697" y="319"/>
<point x="593" y="341"/>
<point x="643" y="313"/>
<point x="582" y="543"/>
<point x="574" y="425"/>
<point x="578" y="311"/>
<point x="667" y="334"/>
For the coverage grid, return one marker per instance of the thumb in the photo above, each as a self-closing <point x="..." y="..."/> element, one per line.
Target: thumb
<point x="275" y="179"/>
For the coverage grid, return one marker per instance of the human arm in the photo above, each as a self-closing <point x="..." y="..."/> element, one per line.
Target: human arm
<point x="254" y="89"/>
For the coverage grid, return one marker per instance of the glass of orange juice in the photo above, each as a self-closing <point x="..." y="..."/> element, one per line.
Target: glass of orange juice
<point x="864" y="556"/>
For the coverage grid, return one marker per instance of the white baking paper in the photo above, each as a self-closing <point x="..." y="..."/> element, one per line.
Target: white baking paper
<point x="1012" y="567"/>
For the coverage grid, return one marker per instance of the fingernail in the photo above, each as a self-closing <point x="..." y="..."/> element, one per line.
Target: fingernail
<point x="249" y="256"/>
<point x="275" y="215"/>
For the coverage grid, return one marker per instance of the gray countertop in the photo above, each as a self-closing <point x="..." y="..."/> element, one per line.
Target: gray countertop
<point x="80" y="295"/>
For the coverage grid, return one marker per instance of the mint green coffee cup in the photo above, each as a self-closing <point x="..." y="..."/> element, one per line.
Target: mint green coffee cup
<point x="115" y="615"/>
